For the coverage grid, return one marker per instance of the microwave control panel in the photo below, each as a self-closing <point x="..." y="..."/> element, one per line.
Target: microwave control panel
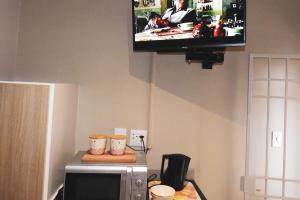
<point x="139" y="183"/>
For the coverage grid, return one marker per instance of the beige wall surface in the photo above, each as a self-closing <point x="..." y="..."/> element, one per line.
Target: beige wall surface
<point x="87" y="43"/>
<point x="9" y="24"/>
<point x="201" y="113"/>
<point x="62" y="134"/>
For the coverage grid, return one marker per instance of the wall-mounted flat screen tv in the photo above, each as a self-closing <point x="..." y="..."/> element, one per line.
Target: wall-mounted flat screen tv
<point x="162" y="25"/>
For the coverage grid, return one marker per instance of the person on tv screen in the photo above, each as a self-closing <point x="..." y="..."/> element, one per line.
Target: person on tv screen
<point x="155" y="21"/>
<point x="180" y="13"/>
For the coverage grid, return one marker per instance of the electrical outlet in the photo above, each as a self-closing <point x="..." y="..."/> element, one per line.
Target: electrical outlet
<point x="135" y="139"/>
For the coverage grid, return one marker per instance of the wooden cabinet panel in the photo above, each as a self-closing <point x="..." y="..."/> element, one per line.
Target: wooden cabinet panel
<point x="37" y="138"/>
<point x="23" y="124"/>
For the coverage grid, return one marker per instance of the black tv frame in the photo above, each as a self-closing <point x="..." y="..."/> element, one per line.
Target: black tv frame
<point x="184" y="45"/>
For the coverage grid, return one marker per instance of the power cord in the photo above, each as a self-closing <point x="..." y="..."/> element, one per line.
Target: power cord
<point x="143" y="143"/>
<point x="144" y="149"/>
<point x="130" y="147"/>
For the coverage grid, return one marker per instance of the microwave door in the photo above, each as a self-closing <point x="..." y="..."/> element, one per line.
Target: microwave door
<point x="96" y="184"/>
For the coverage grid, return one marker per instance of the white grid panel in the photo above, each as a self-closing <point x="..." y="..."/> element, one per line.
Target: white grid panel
<point x="273" y="106"/>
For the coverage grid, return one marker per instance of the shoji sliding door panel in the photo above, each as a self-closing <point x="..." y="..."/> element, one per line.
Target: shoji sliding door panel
<point x="273" y="146"/>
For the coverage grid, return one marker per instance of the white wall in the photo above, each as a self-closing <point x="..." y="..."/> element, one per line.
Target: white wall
<point x="9" y="24"/>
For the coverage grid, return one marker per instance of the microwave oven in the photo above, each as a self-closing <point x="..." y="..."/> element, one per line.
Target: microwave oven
<point x="106" y="181"/>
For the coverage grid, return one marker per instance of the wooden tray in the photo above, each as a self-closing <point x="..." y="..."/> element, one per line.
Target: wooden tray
<point x="189" y="192"/>
<point x="128" y="157"/>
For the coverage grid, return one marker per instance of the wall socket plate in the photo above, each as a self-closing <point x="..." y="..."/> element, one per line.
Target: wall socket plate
<point x="134" y="138"/>
<point x="277" y="139"/>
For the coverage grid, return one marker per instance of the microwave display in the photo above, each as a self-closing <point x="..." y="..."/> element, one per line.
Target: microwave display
<point x="93" y="186"/>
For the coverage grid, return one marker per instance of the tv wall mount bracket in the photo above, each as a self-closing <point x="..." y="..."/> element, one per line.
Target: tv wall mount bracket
<point x="207" y="56"/>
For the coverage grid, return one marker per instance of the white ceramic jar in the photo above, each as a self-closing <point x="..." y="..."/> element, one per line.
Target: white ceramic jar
<point x="117" y="144"/>
<point x="97" y="144"/>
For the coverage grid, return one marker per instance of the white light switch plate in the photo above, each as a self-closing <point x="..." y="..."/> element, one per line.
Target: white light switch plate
<point x="120" y="131"/>
<point x="277" y="139"/>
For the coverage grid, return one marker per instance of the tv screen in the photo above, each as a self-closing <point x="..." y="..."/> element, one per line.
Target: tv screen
<point x="160" y="25"/>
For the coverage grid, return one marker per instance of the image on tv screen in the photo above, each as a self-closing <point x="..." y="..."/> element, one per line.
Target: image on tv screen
<point x="156" y="20"/>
